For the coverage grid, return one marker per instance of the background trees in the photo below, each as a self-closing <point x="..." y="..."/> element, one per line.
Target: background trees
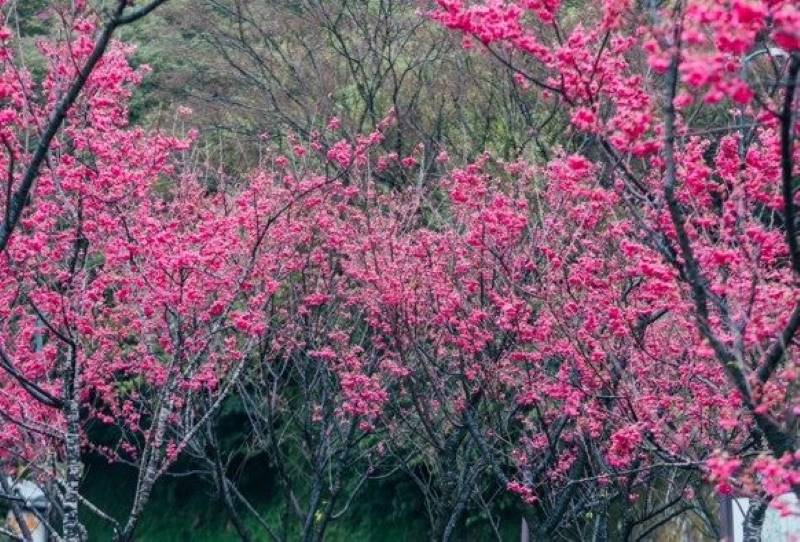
<point x="253" y="68"/>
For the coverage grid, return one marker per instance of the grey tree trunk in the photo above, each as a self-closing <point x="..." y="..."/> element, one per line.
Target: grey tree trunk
<point x="601" y="527"/>
<point x="754" y="520"/>
<point x="149" y="464"/>
<point x="73" y="530"/>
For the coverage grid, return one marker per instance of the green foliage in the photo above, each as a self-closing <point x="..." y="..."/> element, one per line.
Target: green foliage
<point x="28" y="13"/>
<point x="187" y="509"/>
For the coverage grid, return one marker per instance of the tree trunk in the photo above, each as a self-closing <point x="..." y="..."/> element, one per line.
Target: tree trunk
<point x="524" y="532"/>
<point x="601" y="527"/>
<point x="149" y="465"/>
<point x="754" y="520"/>
<point x="223" y="485"/>
<point x="233" y="514"/>
<point x="73" y="530"/>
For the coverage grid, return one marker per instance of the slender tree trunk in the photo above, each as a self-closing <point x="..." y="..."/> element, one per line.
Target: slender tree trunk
<point x="601" y="527"/>
<point x="73" y="530"/>
<point x="233" y="514"/>
<point x="456" y="515"/>
<point x="437" y="524"/>
<point x="754" y="521"/>
<point x="309" y="533"/>
<point x="224" y="490"/>
<point x="466" y="484"/>
<point x="150" y="464"/>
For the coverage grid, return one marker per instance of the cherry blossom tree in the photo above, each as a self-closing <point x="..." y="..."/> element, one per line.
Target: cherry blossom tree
<point x="123" y="280"/>
<point x="683" y="124"/>
<point x="516" y="359"/>
<point x="320" y="378"/>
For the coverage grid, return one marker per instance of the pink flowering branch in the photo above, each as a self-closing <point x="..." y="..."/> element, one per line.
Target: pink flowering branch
<point x="17" y="202"/>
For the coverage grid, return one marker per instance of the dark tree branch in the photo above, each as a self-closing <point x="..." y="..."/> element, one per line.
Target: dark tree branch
<point x="787" y="163"/>
<point x="41" y="395"/>
<point x="776" y="351"/>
